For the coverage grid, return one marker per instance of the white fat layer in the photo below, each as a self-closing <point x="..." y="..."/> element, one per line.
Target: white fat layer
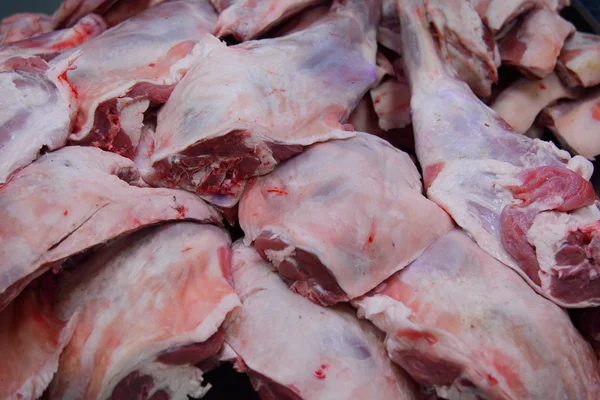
<point x="178" y="381"/>
<point x="279" y="256"/>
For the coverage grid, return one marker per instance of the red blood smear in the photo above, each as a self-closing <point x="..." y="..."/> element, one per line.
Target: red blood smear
<point x="278" y="192"/>
<point x="431" y="172"/>
<point x="320" y="374"/>
<point x="596" y="112"/>
<point x="542" y="86"/>
<point x="186" y="250"/>
<point x="417" y="335"/>
<point x="66" y="212"/>
<point x="181" y="210"/>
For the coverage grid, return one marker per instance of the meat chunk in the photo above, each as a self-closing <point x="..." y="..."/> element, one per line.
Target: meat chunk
<point x="391" y="100"/>
<point x="151" y="306"/>
<point x="521" y="102"/>
<point x="525" y="202"/>
<point x="578" y="63"/>
<point x="459" y="320"/>
<point x="245" y="108"/>
<point x="577" y="124"/>
<point x="51" y="44"/>
<point x="32" y="91"/>
<point x="341" y="217"/>
<point x="249" y="19"/>
<point x="24" y="26"/>
<point x="71" y="200"/>
<point x="533" y="45"/>
<point x="466" y="43"/>
<point x="71" y="11"/>
<point x="125" y="9"/>
<point x="154" y="52"/>
<point x="334" y="355"/>
<point x="500" y="13"/>
<point x="388" y="31"/>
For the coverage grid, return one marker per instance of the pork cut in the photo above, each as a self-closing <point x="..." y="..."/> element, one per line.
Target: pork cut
<point x="533" y="45"/>
<point x="458" y="319"/>
<point x="149" y="54"/>
<point x="71" y="200"/>
<point x="150" y="307"/>
<point x="213" y="134"/>
<point x="24" y="26"/>
<point x="578" y="63"/>
<point x="521" y="102"/>
<point x="341" y="217"/>
<point x="525" y="202"/>
<point x="294" y="349"/>
<point x="37" y="106"/>
<point x="249" y="19"/>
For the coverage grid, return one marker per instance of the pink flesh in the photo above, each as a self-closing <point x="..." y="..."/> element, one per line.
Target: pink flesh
<point x="152" y="45"/>
<point x="471" y="158"/>
<point x="458" y="318"/>
<point x="159" y="295"/>
<point x="578" y="63"/>
<point x="534" y="44"/>
<point x="306" y="204"/>
<point x="391" y="100"/>
<point x="499" y="13"/>
<point x="74" y="199"/>
<point x="334" y="355"/>
<point x="24" y="26"/>
<point x="288" y="74"/>
<point x="36" y="90"/>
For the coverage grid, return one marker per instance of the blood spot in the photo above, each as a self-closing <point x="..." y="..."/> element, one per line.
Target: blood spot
<point x="186" y="250"/>
<point x="542" y="86"/>
<point x="66" y="212"/>
<point x="181" y="210"/>
<point x="596" y="111"/>
<point x="278" y="192"/>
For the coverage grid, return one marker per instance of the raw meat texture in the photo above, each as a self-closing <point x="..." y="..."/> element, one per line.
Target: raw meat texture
<point x="524" y="201"/>
<point x="459" y="320"/>
<point x="37" y="106"/>
<point x="388" y="31"/>
<point x="533" y="45"/>
<point x="126" y="9"/>
<point x="391" y="100"/>
<point x="71" y="200"/>
<point x="577" y="124"/>
<point x="49" y="45"/>
<point x="466" y="43"/>
<point x="579" y="60"/>
<point x="498" y="14"/>
<point x="249" y="19"/>
<point x="24" y="26"/>
<point x="521" y="102"/>
<point x="210" y="140"/>
<point x="150" y="54"/>
<point x="71" y="11"/>
<point x="341" y="217"/>
<point x="334" y="355"/>
<point x="150" y="306"/>
<point x="32" y="338"/>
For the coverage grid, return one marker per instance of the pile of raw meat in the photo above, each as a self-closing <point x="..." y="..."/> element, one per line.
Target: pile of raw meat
<point x="406" y="232"/>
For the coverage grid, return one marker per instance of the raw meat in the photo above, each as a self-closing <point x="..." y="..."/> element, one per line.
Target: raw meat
<point x="31" y="91"/>
<point x="49" y="45"/>
<point x="525" y="202"/>
<point x="151" y="306"/>
<point x="24" y="26"/>
<point x="466" y="43"/>
<point x="579" y="60"/>
<point x="71" y="200"/>
<point x="459" y="320"/>
<point x="521" y="102"/>
<point x="391" y="100"/>
<point x="388" y="31"/>
<point x="71" y="11"/>
<point x="533" y="45"/>
<point x="293" y="349"/>
<point x="213" y="134"/>
<point x="149" y="55"/>
<point x="341" y="217"/>
<point x="249" y="19"/>
<point x="498" y="14"/>
<point x="126" y="9"/>
<point x="577" y="124"/>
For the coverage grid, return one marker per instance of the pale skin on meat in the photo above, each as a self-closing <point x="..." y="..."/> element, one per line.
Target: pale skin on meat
<point x="579" y="60"/>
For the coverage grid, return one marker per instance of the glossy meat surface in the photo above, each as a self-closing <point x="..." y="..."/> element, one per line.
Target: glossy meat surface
<point x="341" y="217"/>
<point x="24" y="26"/>
<point x="141" y="300"/>
<point x="458" y="319"/>
<point x="294" y="349"/>
<point x="37" y="106"/>
<point x="71" y="200"/>
<point x="579" y="60"/>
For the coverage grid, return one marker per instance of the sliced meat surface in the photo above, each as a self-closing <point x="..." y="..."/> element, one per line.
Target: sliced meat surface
<point x="461" y="321"/>
<point x="534" y="44"/>
<point x="24" y="26"/>
<point x="341" y="217"/>
<point x="579" y="60"/>
<point x="525" y="202"/>
<point x="49" y="45"/>
<point x="71" y="11"/>
<point x="466" y="42"/>
<point x="294" y="349"/>
<point x="150" y="307"/>
<point x="153" y="55"/>
<point x="521" y="102"/>
<point x="245" y="108"/>
<point x="577" y="123"/>
<point x="71" y="200"/>
<point x="31" y="91"/>
<point x="498" y="14"/>
<point x="249" y="19"/>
